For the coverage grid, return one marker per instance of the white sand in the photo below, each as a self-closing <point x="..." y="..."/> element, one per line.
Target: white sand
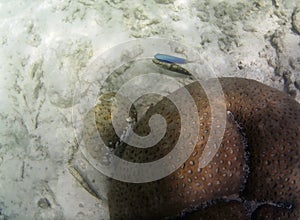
<point x="45" y="48"/>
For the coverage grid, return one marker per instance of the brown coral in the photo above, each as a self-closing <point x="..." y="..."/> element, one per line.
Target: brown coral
<point x="271" y="123"/>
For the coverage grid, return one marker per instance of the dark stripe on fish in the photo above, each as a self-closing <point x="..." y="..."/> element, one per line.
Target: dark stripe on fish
<point x="172" y="67"/>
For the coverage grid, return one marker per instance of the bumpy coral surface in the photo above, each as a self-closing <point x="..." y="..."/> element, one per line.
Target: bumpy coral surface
<point x="254" y="174"/>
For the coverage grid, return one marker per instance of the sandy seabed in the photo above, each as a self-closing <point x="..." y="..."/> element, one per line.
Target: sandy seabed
<point x="46" y="47"/>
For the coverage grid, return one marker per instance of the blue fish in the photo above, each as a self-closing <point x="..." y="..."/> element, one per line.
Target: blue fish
<point x="169" y="59"/>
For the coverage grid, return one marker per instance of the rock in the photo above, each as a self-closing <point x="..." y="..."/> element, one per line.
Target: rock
<point x="297" y="83"/>
<point x="44" y="203"/>
<point x="288" y="83"/>
<point x="296" y="20"/>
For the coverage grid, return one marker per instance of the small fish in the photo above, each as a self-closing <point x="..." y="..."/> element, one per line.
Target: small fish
<point x="169" y="59"/>
<point x="83" y="182"/>
<point x="172" y="67"/>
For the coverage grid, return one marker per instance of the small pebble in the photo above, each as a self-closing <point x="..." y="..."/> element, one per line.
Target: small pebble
<point x="44" y="203"/>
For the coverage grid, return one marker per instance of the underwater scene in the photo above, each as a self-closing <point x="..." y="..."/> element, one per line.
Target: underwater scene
<point x="157" y="109"/>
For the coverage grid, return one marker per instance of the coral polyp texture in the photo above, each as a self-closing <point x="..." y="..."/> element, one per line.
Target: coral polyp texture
<point x="255" y="174"/>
